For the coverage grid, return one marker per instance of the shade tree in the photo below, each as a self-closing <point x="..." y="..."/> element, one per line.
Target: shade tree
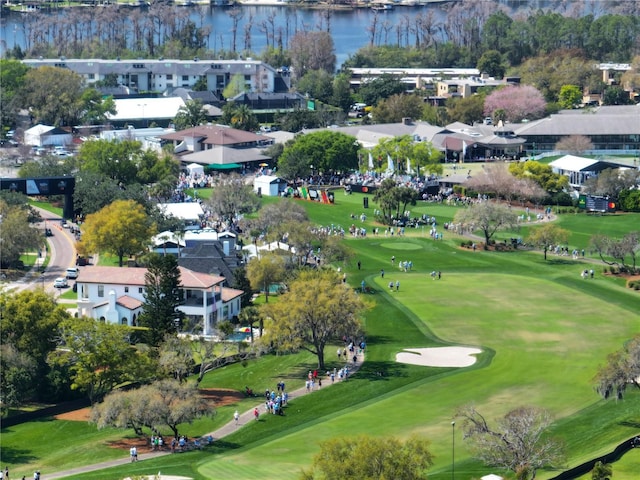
<point x="161" y="404"/>
<point x="393" y="200"/>
<point x="18" y="235"/>
<point x="541" y="173"/>
<point x="265" y="270"/>
<point x="232" y="197"/>
<point x="99" y="356"/>
<point x="324" y="151"/>
<point x="52" y="94"/>
<point x="619" y="252"/>
<point x="621" y="371"/>
<point x="518" y="442"/>
<point x="396" y="107"/>
<point x="488" y="217"/>
<point x="547" y="236"/>
<point x="369" y="457"/>
<point x="316" y="309"/>
<point x="121" y="228"/>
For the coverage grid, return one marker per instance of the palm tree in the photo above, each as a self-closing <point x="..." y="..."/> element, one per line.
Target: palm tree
<point x="191" y="114"/>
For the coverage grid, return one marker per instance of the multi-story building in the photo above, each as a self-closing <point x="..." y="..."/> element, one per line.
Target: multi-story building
<point x="164" y="74"/>
<point x="116" y="295"/>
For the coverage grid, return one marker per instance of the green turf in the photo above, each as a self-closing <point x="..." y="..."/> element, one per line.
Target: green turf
<point x="544" y="331"/>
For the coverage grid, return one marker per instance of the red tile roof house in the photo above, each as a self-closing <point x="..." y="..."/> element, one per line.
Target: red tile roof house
<point x="116" y="295"/>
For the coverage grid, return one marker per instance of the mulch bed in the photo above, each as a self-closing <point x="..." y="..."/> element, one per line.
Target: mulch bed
<point x="219" y="396"/>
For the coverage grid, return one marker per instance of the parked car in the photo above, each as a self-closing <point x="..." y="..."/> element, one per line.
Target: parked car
<point x="72" y="272"/>
<point x="60" y="282"/>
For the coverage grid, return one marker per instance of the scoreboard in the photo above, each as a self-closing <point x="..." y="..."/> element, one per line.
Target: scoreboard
<point x="595" y="203"/>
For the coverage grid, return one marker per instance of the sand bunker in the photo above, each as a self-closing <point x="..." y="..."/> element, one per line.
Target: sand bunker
<point x="439" y="357"/>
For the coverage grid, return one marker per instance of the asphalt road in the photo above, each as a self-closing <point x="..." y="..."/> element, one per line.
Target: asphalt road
<point x="62" y="253"/>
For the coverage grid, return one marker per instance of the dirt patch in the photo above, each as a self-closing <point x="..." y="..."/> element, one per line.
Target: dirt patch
<point x="221" y="396"/>
<point x="81" y="415"/>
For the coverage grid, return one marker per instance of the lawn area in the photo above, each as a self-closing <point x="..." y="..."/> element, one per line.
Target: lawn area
<point x="542" y="329"/>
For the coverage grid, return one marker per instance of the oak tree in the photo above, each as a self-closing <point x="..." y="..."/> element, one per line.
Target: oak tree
<point x="488" y="217"/>
<point x="518" y="442"/>
<point x="368" y="458"/>
<point x="121" y="228"/>
<point x="317" y="308"/>
<point x="164" y="403"/>
<point x="98" y="354"/>
<point x="265" y="270"/>
<point x="621" y="370"/>
<point x="547" y="236"/>
<point x="232" y="197"/>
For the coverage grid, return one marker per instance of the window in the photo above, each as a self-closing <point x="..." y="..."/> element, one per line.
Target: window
<point x="92" y="76"/>
<point x="169" y="76"/>
<point x="140" y="289"/>
<point x="124" y="321"/>
<point x="185" y="78"/>
<point x="126" y="289"/>
<point x="100" y="291"/>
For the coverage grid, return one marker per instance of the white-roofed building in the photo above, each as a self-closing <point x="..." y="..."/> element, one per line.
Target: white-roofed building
<point x="580" y="169"/>
<point x="144" y="111"/>
<point x="46" y="136"/>
<point x="190" y="212"/>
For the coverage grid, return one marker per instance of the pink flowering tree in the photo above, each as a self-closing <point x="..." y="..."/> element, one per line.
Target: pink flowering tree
<point x="517" y="103"/>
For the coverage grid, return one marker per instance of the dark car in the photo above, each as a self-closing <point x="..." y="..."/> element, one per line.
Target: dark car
<point x="48" y="232"/>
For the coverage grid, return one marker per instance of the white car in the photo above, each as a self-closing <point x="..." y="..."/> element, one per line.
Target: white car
<point x="60" y="282"/>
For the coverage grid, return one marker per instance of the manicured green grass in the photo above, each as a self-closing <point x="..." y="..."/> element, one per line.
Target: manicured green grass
<point x="542" y="328"/>
<point x="46" y="206"/>
<point x="69" y="294"/>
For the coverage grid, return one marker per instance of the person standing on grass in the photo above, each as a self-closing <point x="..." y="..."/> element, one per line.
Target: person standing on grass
<point x="397" y="285"/>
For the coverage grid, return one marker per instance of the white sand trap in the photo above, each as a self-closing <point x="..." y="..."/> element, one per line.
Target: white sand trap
<point x="439" y="356"/>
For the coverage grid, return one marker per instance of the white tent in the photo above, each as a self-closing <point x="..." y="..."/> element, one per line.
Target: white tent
<point x="491" y="476"/>
<point x="195" y="170"/>
<point x="269" y="185"/>
<point x="45" y="135"/>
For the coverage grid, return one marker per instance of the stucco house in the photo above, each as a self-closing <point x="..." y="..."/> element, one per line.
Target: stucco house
<point x="116" y="295"/>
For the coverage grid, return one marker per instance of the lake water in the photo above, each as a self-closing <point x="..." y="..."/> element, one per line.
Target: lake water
<point x="347" y="27"/>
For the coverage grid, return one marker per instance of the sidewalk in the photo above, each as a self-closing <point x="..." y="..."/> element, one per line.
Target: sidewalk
<point x="227" y="429"/>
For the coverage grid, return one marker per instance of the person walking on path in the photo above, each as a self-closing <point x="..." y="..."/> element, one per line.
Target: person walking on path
<point x="236" y="417"/>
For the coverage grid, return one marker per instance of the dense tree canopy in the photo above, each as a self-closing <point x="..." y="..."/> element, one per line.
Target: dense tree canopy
<point x="393" y="200"/>
<point x="17" y="234"/>
<point x="264" y="271"/>
<point x="540" y="173"/>
<point x="98" y="354"/>
<point x="324" y="151"/>
<point x="317" y="308"/>
<point x="369" y="458"/>
<point x="29" y="322"/>
<point x="53" y="95"/>
<point x="397" y="107"/>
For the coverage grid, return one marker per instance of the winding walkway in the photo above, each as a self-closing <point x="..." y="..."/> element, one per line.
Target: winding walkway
<point x="227" y="429"/>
